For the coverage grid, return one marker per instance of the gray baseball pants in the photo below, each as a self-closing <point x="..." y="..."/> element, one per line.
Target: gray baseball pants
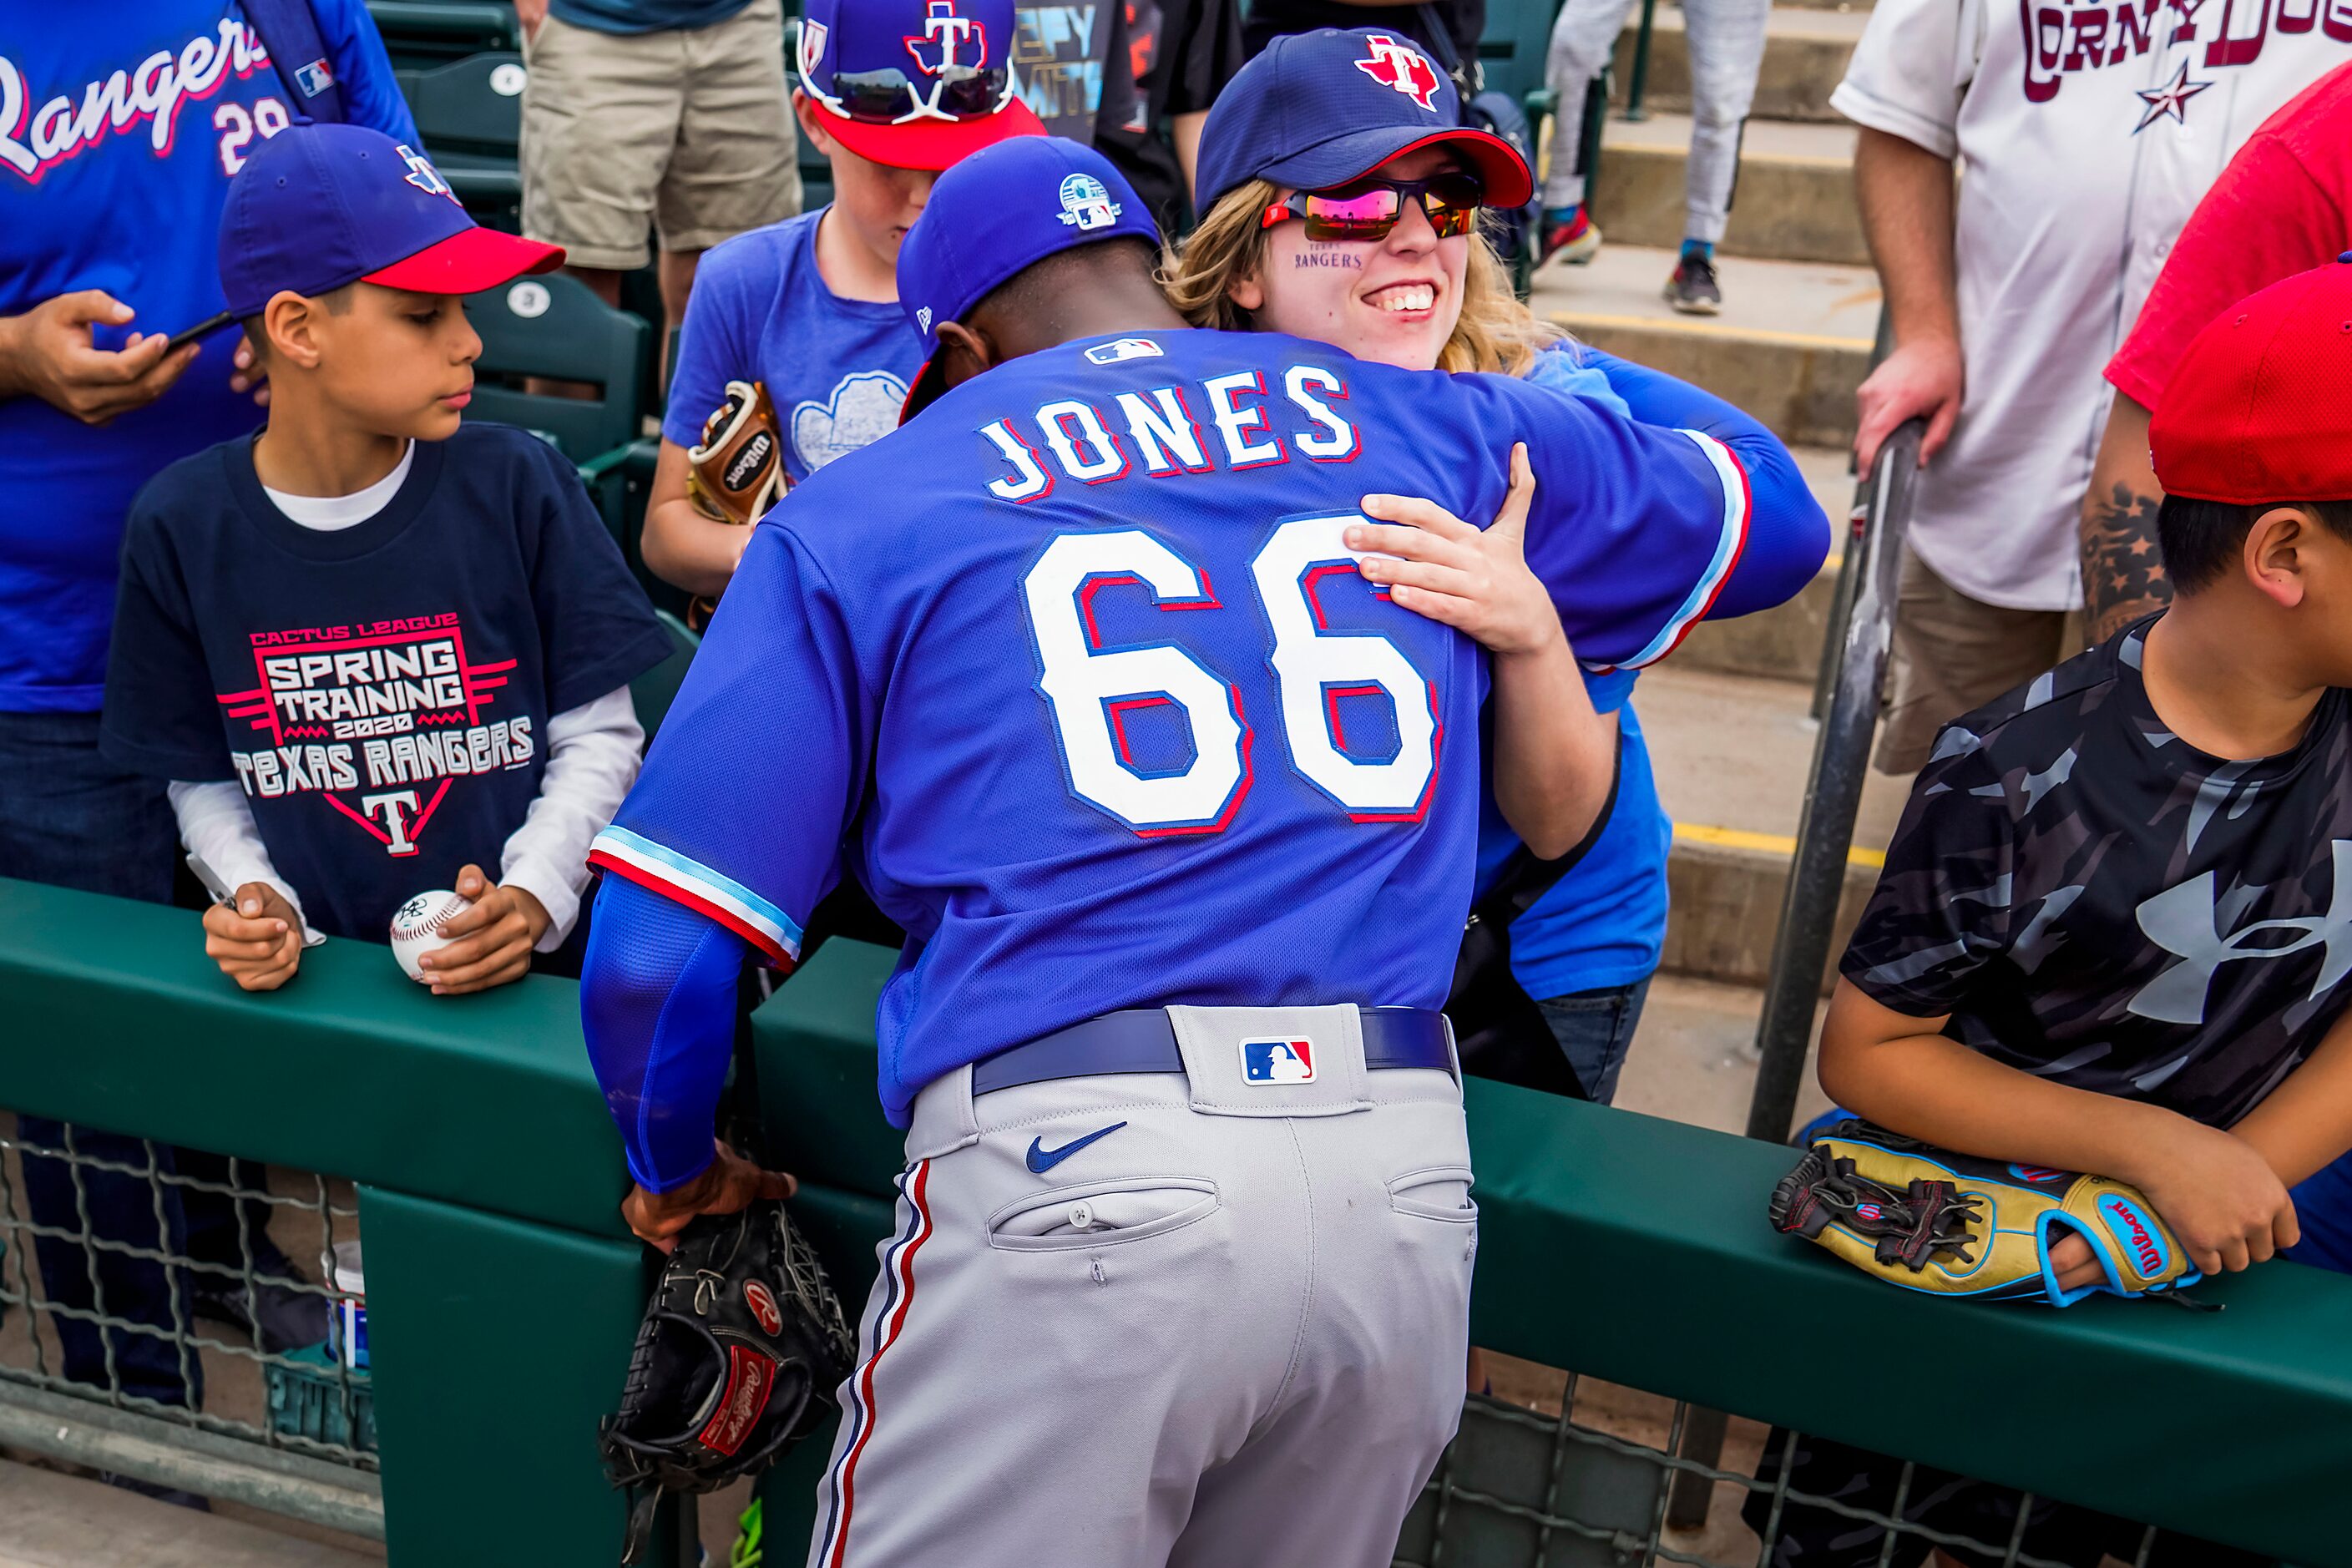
<point x="1224" y="1326"/>
<point x="1727" y="48"/>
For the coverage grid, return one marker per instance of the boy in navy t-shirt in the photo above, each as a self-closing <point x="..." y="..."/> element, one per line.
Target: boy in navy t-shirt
<point x="374" y="651"/>
<point x="809" y="307"/>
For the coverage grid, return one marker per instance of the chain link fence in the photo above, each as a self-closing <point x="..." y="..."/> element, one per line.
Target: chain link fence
<point x="177" y="1318"/>
<point x="1584" y="1480"/>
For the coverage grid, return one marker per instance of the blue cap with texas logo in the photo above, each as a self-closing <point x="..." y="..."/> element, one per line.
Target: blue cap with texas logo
<point x="1318" y="110"/>
<point x="994" y="214"/>
<point x="913" y="84"/>
<point x="317" y="206"/>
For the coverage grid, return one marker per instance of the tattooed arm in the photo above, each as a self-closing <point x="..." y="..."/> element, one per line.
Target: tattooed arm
<point x="2123" y="569"/>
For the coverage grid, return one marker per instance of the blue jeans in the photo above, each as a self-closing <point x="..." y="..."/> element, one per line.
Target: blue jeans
<point x="1595" y="1028"/>
<point x="69" y="817"/>
<point x="2322" y="1209"/>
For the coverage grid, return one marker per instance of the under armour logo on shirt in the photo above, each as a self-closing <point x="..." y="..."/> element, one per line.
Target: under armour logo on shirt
<point x="2186" y="920"/>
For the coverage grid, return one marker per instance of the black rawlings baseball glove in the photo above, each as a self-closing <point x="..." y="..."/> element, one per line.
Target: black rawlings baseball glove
<point x="740" y="1349"/>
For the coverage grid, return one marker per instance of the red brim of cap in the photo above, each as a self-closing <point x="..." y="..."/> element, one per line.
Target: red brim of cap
<point x="468" y="262"/>
<point x="933" y="145"/>
<point x="1501" y="171"/>
<point x="925" y="387"/>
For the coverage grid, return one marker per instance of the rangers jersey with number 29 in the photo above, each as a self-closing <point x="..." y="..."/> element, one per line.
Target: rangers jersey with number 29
<point x="1076" y="675"/>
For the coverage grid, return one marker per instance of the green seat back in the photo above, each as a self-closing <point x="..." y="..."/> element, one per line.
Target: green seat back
<point x="652" y="691"/>
<point x="424" y="33"/>
<point x="472" y="105"/>
<point x="1512" y="49"/>
<point x="555" y="327"/>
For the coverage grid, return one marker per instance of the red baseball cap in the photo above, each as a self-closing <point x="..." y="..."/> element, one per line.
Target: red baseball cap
<point x="2259" y="408"/>
<point x="913" y="84"/>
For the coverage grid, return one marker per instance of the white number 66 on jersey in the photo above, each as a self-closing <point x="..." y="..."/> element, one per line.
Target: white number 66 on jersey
<point x="1088" y="689"/>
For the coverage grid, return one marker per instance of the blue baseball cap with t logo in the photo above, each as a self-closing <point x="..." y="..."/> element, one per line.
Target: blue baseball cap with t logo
<point x="913" y="84"/>
<point x="1318" y="110"/>
<point x="994" y="214"/>
<point x="317" y="206"/>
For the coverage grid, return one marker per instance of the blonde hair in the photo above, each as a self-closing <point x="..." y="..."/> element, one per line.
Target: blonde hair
<point x="1494" y="332"/>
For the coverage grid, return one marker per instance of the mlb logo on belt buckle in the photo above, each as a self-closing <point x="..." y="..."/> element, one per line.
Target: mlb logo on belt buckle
<point x="1268" y="1062"/>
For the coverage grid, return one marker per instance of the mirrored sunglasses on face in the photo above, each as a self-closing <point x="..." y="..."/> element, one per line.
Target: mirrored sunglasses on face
<point x="1369" y="209"/>
<point x="894" y="96"/>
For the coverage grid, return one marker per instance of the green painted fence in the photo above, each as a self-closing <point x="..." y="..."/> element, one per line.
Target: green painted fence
<point x="503" y="1291"/>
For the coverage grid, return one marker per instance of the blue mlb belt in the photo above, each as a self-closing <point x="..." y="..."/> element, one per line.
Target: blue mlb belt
<point x="1141" y="1039"/>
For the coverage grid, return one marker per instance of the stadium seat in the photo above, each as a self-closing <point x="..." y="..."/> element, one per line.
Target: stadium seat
<point x="423" y="33"/>
<point x="652" y="691"/>
<point x="622" y="480"/>
<point x="470" y="113"/>
<point x="555" y="327"/>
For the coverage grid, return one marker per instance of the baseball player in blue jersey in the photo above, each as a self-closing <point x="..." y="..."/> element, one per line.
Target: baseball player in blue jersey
<point x="1076" y="675"/>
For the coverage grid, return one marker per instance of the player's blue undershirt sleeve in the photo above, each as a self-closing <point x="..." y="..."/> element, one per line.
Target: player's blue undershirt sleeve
<point x="1788" y="536"/>
<point x="657" y="1004"/>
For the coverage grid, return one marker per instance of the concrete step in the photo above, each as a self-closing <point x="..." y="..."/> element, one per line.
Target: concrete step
<point x="56" y="1521"/>
<point x="1785" y="642"/>
<point x="1693" y="1061"/>
<point x="1793" y="201"/>
<point x="1732" y="755"/>
<point x="1792" y="342"/>
<point x="1805" y="52"/>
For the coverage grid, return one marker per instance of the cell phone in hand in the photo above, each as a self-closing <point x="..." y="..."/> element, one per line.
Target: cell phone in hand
<point x="203" y="329"/>
<point x="224" y="894"/>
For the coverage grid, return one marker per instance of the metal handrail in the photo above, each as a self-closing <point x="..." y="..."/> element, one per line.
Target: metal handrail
<point x="1638" y="83"/>
<point x="1855" y="682"/>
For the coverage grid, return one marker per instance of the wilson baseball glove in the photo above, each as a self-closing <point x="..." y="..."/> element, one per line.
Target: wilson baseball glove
<point x="739" y="1352"/>
<point x="1928" y="1219"/>
<point x="738" y="472"/>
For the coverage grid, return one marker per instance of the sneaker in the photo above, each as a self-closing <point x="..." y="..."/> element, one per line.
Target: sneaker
<point x="747" y="1552"/>
<point x="1693" y="289"/>
<point x="288" y="1319"/>
<point x="1570" y="235"/>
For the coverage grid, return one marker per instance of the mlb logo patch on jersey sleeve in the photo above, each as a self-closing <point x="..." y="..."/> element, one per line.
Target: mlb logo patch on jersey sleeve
<point x="1268" y="1062"/>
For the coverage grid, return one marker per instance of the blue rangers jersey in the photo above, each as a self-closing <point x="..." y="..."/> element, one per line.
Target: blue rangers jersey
<point x="1074" y="674"/>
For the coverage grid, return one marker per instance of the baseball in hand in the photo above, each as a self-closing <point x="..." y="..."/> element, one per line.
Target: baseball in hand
<point x="420" y="925"/>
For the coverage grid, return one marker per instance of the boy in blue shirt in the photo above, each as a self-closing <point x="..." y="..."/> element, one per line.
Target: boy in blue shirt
<point x="375" y="650"/>
<point x="892" y="91"/>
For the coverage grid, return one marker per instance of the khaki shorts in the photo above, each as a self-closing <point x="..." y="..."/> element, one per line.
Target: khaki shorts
<point x="1954" y="654"/>
<point x="689" y="131"/>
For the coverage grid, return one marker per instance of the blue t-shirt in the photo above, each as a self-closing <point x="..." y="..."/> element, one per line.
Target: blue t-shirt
<point x="837" y="370"/>
<point x="1604" y="923"/>
<point x="645" y="15"/>
<point x="119" y="132"/>
<point x="1084" y="685"/>
<point x="381" y="691"/>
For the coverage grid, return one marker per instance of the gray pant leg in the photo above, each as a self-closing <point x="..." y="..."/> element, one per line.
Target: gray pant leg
<point x="1727" y="49"/>
<point x="1583" y="37"/>
<point x="1328" y="1476"/>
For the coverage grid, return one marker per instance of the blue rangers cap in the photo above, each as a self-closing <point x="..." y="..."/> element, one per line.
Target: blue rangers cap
<point x="995" y="213"/>
<point x="913" y="84"/>
<point x="1318" y="110"/>
<point x="317" y="206"/>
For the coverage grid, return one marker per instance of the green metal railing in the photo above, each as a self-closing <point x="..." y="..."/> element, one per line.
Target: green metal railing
<point x="503" y="1292"/>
